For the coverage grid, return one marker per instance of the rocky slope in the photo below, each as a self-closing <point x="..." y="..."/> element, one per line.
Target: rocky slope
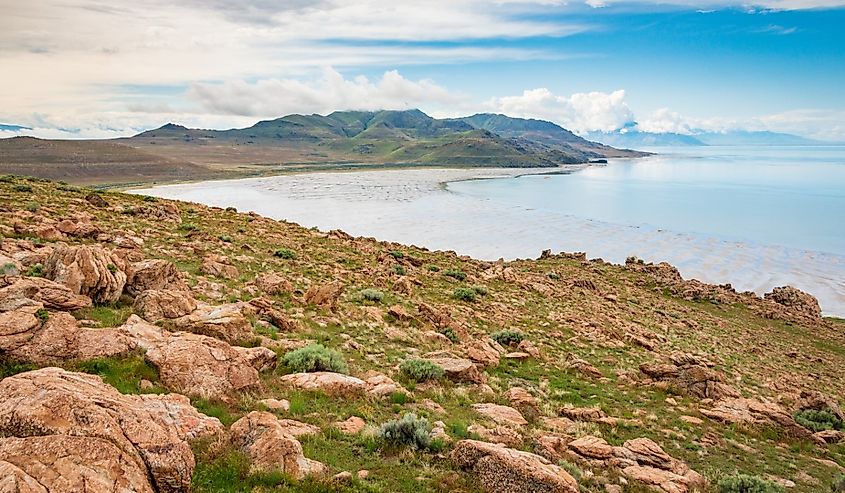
<point x="157" y="346"/>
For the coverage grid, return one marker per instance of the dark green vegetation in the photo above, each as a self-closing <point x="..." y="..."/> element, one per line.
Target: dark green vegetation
<point x="421" y="370"/>
<point x="295" y="142"/>
<point x="408" y="431"/>
<point x="742" y="483"/>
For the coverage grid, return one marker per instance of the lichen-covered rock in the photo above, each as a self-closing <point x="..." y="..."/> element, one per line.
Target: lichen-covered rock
<point x="273" y="283"/>
<point x="503" y="415"/>
<point x="592" y="447"/>
<point x="504" y="469"/>
<point x="199" y="365"/>
<point x="523" y="401"/>
<point x="331" y="383"/>
<point x="225" y="322"/>
<point x="270" y="448"/>
<point x="796" y="302"/>
<point x="51" y="294"/>
<point x="87" y="269"/>
<point x="459" y="369"/>
<point x="154" y="274"/>
<point x="325" y="295"/>
<point x="71" y="426"/>
<point x="161" y="304"/>
<point x="755" y="411"/>
<point x="215" y="265"/>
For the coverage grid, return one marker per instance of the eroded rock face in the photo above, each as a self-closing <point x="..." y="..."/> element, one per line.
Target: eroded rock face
<point x="60" y="338"/>
<point x="199" y="365"/>
<point x="503" y="415"/>
<point x="273" y="283"/>
<point x="325" y="295"/>
<point x="796" y="302"/>
<point x="754" y="411"/>
<point x="218" y="266"/>
<point x="88" y="270"/>
<point x="503" y="469"/>
<point x="270" y="448"/>
<point x="161" y="304"/>
<point x="459" y="369"/>
<point x="154" y="274"/>
<point x="523" y="401"/>
<point x="71" y="427"/>
<point x="225" y="322"/>
<point x="331" y="383"/>
<point x="52" y="295"/>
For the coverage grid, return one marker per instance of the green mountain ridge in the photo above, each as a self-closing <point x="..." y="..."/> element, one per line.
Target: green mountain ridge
<point x="408" y="136"/>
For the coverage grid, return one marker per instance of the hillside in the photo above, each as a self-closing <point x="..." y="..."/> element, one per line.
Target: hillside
<point x="304" y="142"/>
<point x="315" y="361"/>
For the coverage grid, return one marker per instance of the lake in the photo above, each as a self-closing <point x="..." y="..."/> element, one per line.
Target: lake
<point x="756" y="217"/>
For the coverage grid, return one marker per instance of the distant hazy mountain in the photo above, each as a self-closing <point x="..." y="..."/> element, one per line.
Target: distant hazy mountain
<point x="389" y="137"/>
<point x="631" y="137"/>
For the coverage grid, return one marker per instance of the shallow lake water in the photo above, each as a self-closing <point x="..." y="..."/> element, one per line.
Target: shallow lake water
<point x="756" y="217"/>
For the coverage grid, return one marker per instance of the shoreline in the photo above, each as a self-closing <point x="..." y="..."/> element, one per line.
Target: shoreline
<point x="418" y="207"/>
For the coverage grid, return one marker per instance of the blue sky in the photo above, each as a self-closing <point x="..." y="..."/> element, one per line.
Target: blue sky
<point x="99" y="69"/>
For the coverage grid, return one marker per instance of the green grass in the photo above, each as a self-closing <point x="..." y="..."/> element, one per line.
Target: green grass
<point x="124" y="374"/>
<point x="107" y="315"/>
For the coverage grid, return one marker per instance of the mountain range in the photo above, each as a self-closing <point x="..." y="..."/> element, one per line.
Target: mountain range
<point x="631" y="136"/>
<point x="343" y="139"/>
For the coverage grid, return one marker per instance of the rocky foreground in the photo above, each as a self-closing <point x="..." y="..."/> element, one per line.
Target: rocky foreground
<point x="157" y="346"/>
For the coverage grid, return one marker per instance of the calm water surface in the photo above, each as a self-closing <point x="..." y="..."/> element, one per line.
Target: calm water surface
<point x="755" y="217"/>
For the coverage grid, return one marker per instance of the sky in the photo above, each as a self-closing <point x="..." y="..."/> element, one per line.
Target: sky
<point x="98" y="69"/>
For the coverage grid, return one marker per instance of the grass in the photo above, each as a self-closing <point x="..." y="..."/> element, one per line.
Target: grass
<point x="123" y="373"/>
<point x="106" y="315"/>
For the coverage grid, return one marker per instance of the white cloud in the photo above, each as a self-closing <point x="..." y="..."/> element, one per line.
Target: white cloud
<point x="580" y="112"/>
<point x="274" y="97"/>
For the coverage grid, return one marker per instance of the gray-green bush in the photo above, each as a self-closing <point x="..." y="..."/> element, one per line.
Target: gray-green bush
<point x="370" y="294"/>
<point x="315" y="357"/>
<point x="818" y="420"/>
<point x="409" y="431"/>
<point x="464" y="294"/>
<point x="421" y="370"/>
<point x="743" y="483"/>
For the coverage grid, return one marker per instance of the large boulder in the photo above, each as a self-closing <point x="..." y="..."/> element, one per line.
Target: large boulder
<point x="331" y="383"/>
<point x="755" y="411"/>
<point x="51" y="294"/>
<point x="796" y="302"/>
<point x="60" y="338"/>
<point x="270" y="447"/>
<point x="225" y="322"/>
<point x="154" y="274"/>
<point x="459" y="369"/>
<point x="87" y="269"/>
<point x="502" y="415"/>
<point x="504" y="469"/>
<point x="62" y="429"/>
<point x="273" y="283"/>
<point x="325" y="295"/>
<point x="161" y="304"/>
<point x="219" y="266"/>
<point x="199" y="365"/>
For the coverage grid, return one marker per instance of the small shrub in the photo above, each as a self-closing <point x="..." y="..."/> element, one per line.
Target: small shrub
<point x="33" y="206"/>
<point x="433" y="268"/>
<point x="456" y="274"/>
<point x="421" y="370"/>
<point x="7" y="179"/>
<point x="508" y="337"/>
<point x="35" y="270"/>
<point x="9" y="269"/>
<point x="410" y="431"/>
<point x="480" y="290"/>
<point x="128" y="210"/>
<point x="315" y="357"/>
<point x="450" y="334"/>
<point x="399" y="398"/>
<point x="225" y="238"/>
<point x="743" y="483"/>
<point x="399" y="269"/>
<point x="818" y="420"/>
<point x="112" y="268"/>
<point x="397" y="254"/>
<point x="464" y="294"/>
<point x="149" y="198"/>
<point x="838" y="485"/>
<point x="571" y="468"/>
<point x="285" y="253"/>
<point x="187" y="227"/>
<point x="554" y="276"/>
<point x="231" y="209"/>
<point x="370" y="294"/>
<point x="23" y="188"/>
<point x="42" y="315"/>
